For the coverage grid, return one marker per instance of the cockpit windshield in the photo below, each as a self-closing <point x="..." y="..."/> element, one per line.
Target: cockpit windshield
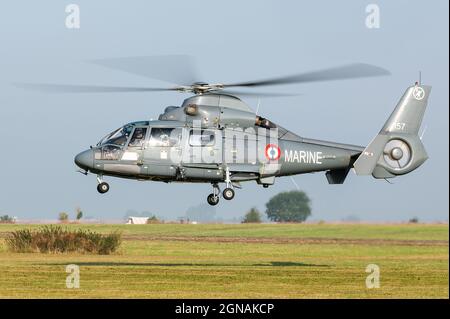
<point x="120" y="136"/>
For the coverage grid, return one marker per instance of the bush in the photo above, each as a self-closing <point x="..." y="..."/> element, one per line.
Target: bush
<point x="253" y="216"/>
<point x="55" y="239"/>
<point x="414" y="220"/>
<point x="63" y="217"/>
<point x="6" y="219"/>
<point x="153" y="220"/>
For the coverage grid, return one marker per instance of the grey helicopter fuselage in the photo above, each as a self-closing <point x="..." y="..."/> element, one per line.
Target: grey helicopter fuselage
<point x="219" y="121"/>
<point x="214" y="138"/>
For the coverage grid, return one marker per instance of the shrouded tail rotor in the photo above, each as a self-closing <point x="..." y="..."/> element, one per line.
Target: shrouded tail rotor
<point x="397" y="154"/>
<point x="397" y="149"/>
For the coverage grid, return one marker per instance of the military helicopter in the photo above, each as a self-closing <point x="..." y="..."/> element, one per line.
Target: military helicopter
<point x="214" y="137"/>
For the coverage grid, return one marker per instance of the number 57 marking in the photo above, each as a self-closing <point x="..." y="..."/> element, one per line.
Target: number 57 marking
<point x="399" y="126"/>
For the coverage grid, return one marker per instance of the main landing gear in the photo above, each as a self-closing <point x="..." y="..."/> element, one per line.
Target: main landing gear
<point x="213" y="198"/>
<point x="102" y="186"/>
<point x="228" y="192"/>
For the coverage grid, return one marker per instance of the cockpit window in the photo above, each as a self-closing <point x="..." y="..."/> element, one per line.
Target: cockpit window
<point x="138" y="138"/>
<point x="164" y="136"/>
<point x="121" y="135"/>
<point x="117" y="137"/>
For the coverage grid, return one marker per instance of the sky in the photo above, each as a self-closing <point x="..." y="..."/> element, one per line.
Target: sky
<point x="231" y="41"/>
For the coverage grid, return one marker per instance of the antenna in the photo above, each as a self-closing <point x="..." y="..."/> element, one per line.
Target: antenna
<point x="420" y="77"/>
<point x="257" y="107"/>
<point x="295" y="183"/>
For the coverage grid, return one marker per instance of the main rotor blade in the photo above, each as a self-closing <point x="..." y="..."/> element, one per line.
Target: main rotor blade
<point x="67" y="88"/>
<point x="349" y="71"/>
<point x="178" y="69"/>
<point x="256" y="94"/>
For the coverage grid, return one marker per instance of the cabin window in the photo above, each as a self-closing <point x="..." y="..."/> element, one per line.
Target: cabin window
<point x="138" y="137"/>
<point x="201" y="138"/>
<point x="165" y="137"/>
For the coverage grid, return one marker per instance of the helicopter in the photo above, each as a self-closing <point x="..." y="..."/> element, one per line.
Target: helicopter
<point x="214" y="137"/>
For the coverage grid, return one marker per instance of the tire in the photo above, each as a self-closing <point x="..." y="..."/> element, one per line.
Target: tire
<point x="212" y="200"/>
<point x="228" y="193"/>
<point x="102" y="188"/>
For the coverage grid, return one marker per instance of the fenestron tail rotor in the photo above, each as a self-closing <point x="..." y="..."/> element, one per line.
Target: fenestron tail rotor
<point x="397" y="154"/>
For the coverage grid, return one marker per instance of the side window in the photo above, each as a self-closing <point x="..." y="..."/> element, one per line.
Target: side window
<point x="138" y="137"/>
<point x="201" y="138"/>
<point x="164" y="136"/>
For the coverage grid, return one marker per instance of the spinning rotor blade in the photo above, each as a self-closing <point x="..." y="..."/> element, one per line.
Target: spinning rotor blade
<point x="256" y="94"/>
<point x="63" y="88"/>
<point x="178" y="69"/>
<point x="350" y="71"/>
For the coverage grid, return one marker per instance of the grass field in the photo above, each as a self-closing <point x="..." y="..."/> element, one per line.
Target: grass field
<point x="241" y="261"/>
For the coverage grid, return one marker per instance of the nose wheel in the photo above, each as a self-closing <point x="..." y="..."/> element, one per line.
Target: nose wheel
<point x="102" y="186"/>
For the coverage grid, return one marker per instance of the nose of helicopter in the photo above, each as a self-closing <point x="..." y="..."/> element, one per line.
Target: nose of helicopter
<point x="85" y="160"/>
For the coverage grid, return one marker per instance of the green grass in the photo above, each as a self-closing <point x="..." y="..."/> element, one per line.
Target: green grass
<point x="154" y="262"/>
<point x="349" y="231"/>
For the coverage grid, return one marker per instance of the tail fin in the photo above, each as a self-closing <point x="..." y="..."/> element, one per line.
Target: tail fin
<point x="397" y="148"/>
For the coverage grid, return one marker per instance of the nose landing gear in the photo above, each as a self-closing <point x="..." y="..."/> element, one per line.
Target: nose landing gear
<point x="102" y="186"/>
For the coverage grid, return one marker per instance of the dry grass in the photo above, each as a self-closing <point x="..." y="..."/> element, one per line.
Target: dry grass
<point x="56" y="239"/>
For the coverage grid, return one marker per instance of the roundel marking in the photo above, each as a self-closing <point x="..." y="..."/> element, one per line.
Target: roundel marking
<point x="272" y="152"/>
<point x="418" y="93"/>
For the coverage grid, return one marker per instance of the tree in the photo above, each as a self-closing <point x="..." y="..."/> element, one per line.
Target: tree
<point x="414" y="220"/>
<point x="79" y="213"/>
<point x="252" y="216"/>
<point x="6" y="219"/>
<point x="63" y="217"/>
<point x="293" y="206"/>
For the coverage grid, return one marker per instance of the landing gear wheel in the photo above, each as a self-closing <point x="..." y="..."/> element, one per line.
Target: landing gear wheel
<point x="228" y="193"/>
<point x="213" y="199"/>
<point x="102" y="187"/>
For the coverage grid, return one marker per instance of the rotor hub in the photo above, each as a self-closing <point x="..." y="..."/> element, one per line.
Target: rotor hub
<point x="396" y="153"/>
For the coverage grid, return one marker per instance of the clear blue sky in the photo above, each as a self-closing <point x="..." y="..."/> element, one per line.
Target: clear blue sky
<point x="233" y="41"/>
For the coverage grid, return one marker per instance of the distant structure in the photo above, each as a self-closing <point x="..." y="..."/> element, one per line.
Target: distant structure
<point x="137" y="220"/>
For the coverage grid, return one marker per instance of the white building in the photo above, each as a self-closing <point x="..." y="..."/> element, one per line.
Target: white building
<point x="137" y="220"/>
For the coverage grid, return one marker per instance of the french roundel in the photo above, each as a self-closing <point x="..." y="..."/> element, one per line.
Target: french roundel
<point x="272" y="152"/>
